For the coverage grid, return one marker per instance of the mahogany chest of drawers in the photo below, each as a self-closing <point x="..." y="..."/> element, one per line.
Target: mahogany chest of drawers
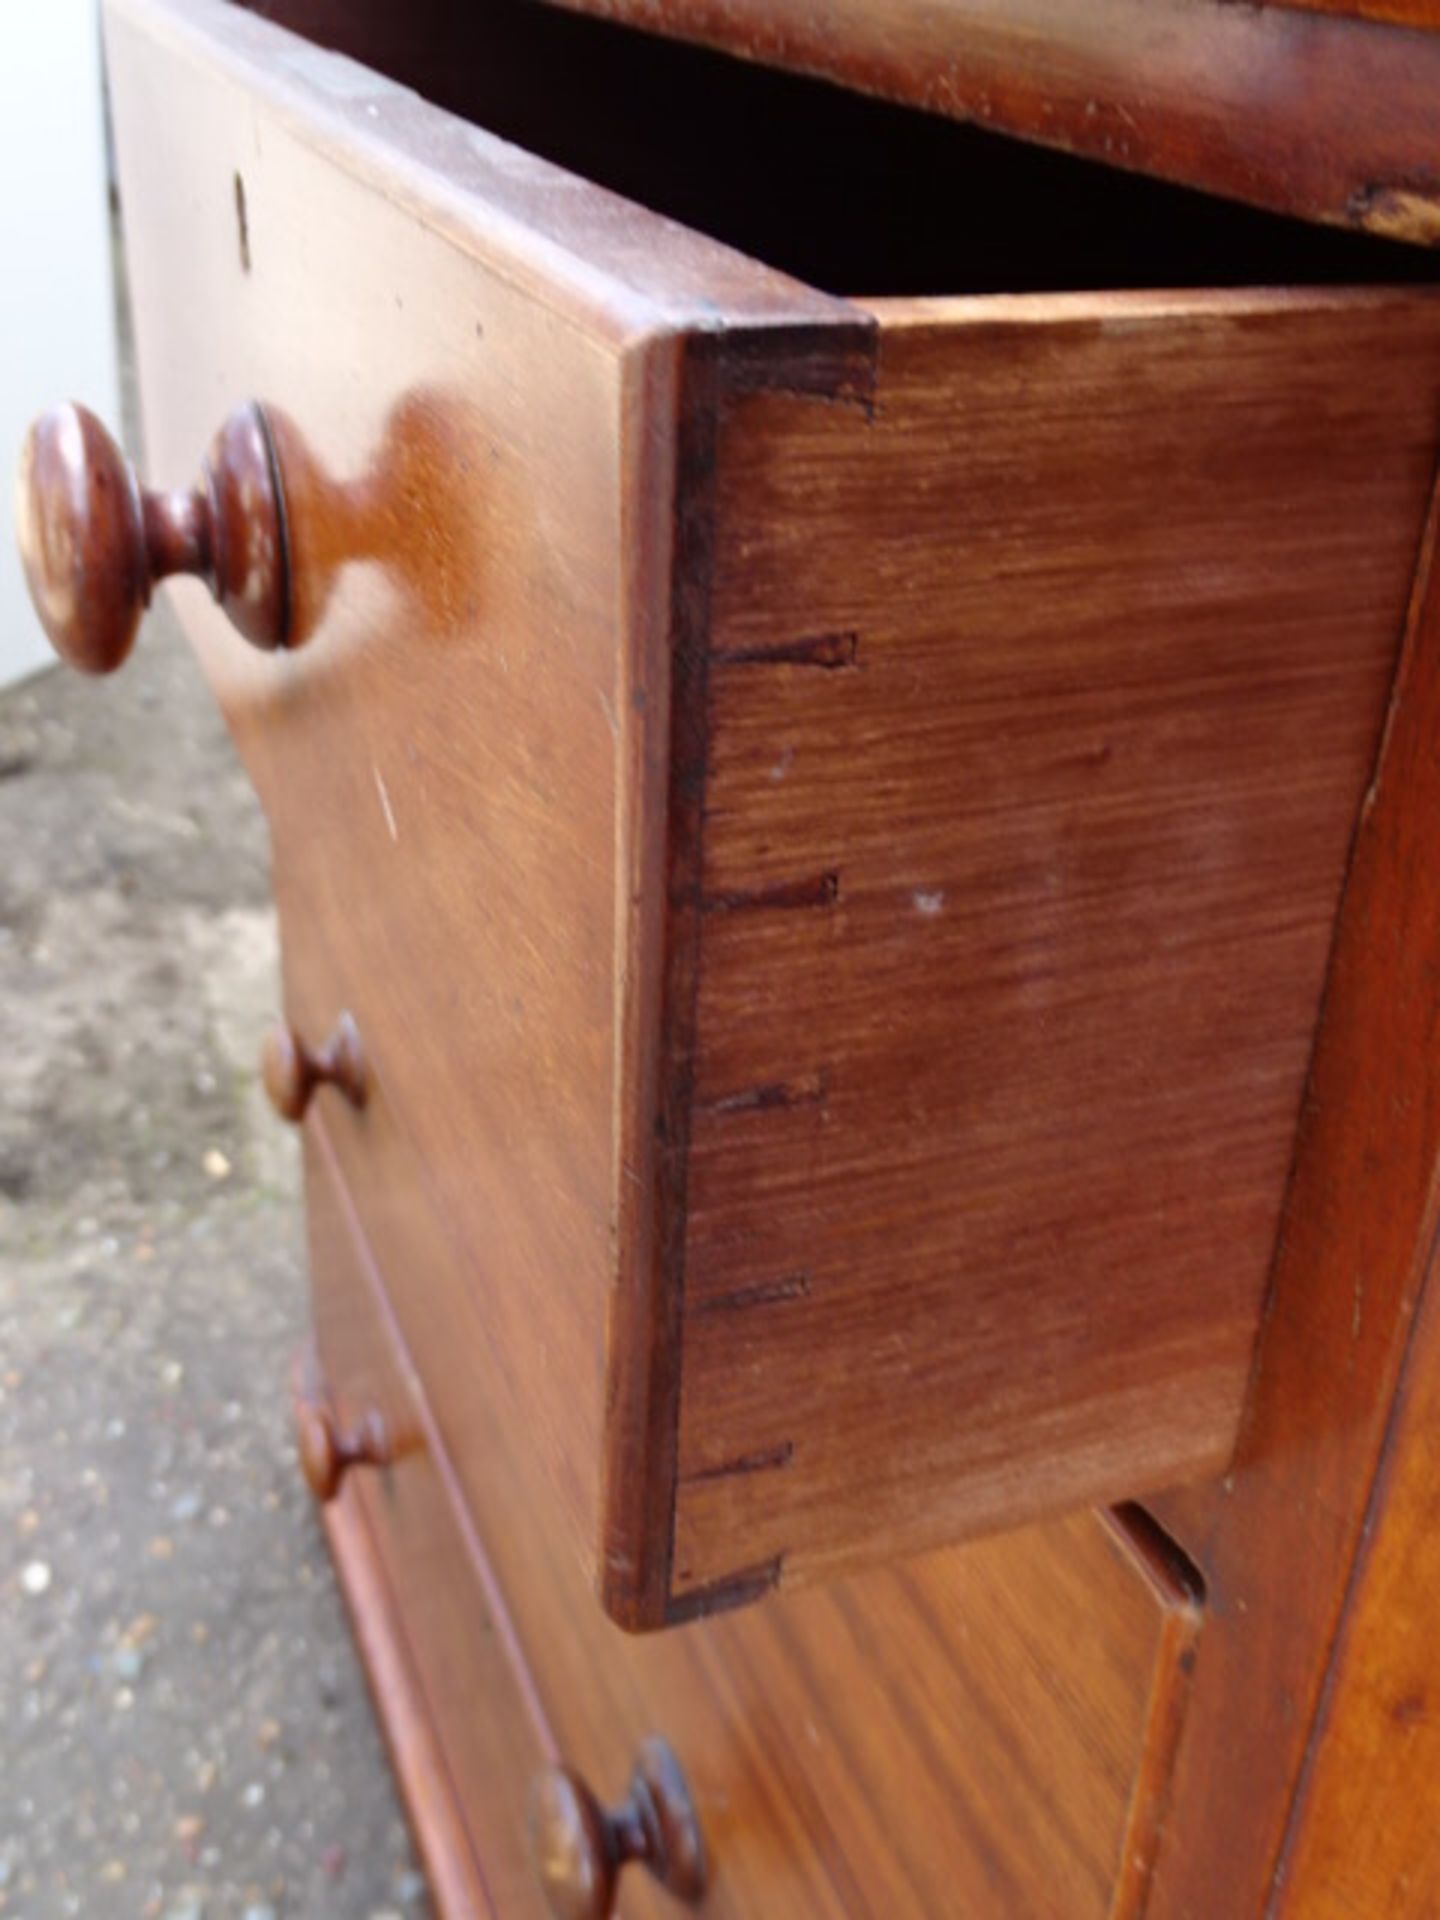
<point x="859" y="953"/>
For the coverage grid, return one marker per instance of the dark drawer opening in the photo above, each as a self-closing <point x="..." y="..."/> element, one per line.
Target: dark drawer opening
<point x="848" y="193"/>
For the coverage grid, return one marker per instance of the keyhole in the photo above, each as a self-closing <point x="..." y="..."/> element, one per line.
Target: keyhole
<point x="242" y="222"/>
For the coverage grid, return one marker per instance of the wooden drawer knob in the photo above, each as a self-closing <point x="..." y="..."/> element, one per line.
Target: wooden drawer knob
<point x="94" y="543"/>
<point x="292" y="1072"/>
<point x="579" y="1847"/>
<point x="327" y="1453"/>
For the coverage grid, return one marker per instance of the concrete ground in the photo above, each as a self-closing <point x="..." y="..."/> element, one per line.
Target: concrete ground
<point x="184" y="1730"/>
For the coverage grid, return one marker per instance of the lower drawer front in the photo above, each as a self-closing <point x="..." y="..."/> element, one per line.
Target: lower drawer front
<point x="985" y="1732"/>
<point x="461" y="1730"/>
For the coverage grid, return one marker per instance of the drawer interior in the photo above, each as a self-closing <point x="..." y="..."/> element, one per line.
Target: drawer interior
<point x="848" y="193"/>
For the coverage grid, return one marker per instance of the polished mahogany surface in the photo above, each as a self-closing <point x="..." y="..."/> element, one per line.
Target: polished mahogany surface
<point x="641" y="640"/>
<point x="1283" y="1538"/>
<point x="852" y="192"/>
<point x="1311" y="112"/>
<point x="1399" y="13"/>
<point x="455" y="1709"/>
<point x="829" y="815"/>
<point x="987" y="1731"/>
<point x="481" y="705"/>
<point x="1363" y="1839"/>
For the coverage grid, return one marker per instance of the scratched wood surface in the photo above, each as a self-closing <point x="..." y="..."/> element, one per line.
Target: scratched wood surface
<point x="1025" y="822"/>
<point x="984" y="1733"/>
<point x="1311" y="113"/>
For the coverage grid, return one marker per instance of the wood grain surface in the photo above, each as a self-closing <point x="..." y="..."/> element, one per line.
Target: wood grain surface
<point x="828" y="819"/>
<point x="456" y="1710"/>
<point x="796" y="796"/>
<point x="436" y="1817"/>
<point x="984" y="1733"/>
<point x="1025" y="823"/>
<point x="1364" y="1838"/>
<point x="845" y="189"/>
<point x="1399" y="13"/>
<point x="1310" y="113"/>
<point x="1279" y="1539"/>
<point x="411" y="788"/>
<point x="475" y="368"/>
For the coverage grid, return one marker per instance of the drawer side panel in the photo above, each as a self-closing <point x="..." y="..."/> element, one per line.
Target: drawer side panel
<point x="1041" y="705"/>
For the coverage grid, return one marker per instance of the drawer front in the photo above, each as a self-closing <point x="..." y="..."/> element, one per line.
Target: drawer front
<point x="984" y="1734"/>
<point x="472" y="367"/>
<point x="829" y="819"/>
<point x="462" y="353"/>
<point x="461" y="1727"/>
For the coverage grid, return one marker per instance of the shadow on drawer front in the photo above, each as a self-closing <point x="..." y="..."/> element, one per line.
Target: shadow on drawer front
<point x="837" y="885"/>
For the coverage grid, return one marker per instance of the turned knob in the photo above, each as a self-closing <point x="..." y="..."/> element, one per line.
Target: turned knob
<point x="94" y="543"/>
<point x="292" y="1071"/>
<point x="579" y="1847"/>
<point x="327" y="1453"/>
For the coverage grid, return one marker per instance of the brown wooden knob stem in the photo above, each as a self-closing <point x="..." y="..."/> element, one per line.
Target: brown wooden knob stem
<point x="327" y="1453"/>
<point x="579" y="1847"/>
<point x="94" y="543"/>
<point x="292" y="1071"/>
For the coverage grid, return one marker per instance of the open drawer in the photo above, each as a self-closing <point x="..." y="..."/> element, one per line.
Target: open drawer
<point x="828" y="812"/>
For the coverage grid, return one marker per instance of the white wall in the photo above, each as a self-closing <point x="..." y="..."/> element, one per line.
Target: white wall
<point x="57" y="314"/>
